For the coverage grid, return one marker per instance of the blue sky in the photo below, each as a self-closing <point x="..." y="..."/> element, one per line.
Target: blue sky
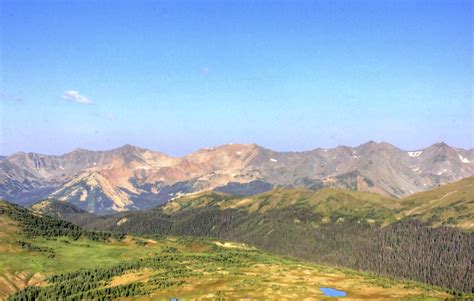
<point x="288" y="75"/>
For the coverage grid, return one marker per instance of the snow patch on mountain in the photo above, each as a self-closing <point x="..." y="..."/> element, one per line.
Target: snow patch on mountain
<point x="415" y="154"/>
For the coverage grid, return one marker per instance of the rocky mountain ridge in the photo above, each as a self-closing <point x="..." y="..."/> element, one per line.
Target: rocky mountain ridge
<point x="129" y="177"/>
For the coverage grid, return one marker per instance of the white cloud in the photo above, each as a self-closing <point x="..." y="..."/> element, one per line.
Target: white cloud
<point x="75" y="96"/>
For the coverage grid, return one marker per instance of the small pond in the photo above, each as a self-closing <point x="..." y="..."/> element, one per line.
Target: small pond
<point x="331" y="292"/>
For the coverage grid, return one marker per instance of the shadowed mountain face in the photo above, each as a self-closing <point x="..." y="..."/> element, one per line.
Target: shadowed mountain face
<point x="129" y="178"/>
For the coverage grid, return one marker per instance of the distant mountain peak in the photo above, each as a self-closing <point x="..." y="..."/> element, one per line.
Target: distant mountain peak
<point x="130" y="147"/>
<point x="130" y="177"/>
<point x="80" y="150"/>
<point x="370" y="142"/>
<point x="441" y="144"/>
<point x="372" y="145"/>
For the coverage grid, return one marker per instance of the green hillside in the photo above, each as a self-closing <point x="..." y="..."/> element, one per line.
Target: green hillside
<point x="357" y="230"/>
<point x="447" y="205"/>
<point x="73" y="264"/>
<point x="450" y="205"/>
<point x="59" y="209"/>
<point x="327" y="202"/>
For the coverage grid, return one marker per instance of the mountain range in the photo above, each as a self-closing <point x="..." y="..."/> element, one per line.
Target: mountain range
<point x="131" y="178"/>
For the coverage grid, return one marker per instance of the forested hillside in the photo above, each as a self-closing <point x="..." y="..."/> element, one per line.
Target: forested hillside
<point x="73" y="264"/>
<point x="351" y="229"/>
<point x="46" y="226"/>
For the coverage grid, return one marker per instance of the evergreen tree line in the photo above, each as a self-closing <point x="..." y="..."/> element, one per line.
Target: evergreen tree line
<point x="32" y="248"/>
<point x="407" y="249"/>
<point x="34" y="225"/>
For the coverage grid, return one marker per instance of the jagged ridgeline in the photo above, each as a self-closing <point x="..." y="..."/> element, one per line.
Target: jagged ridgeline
<point x="131" y="178"/>
<point x="75" y="264"/>
<point x="402" y="238"/>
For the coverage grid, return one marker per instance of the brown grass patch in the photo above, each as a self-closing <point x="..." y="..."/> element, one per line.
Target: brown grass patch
<point x="134" y="276"/>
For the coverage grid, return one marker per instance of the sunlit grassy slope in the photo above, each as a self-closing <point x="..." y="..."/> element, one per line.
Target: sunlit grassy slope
<point x="322" y="200"/>
<point x="165" y="267"/>
<point x="328" y="202"/>
<point x="450" y="205"/>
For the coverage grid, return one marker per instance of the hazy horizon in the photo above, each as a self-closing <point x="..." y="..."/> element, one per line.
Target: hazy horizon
<point x="179" y="76"/>
<point x="237" y="143"/>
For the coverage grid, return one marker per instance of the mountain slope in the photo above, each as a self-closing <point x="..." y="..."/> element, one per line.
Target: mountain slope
<point x="328" y="203"/>
<point x="130" y="178"/>
<point x="48" y="265"/>
<point x="450" y="204"/>
<point x="407" y="249"/>
<point x="62" y="210"/>
<point x="359" y="230"/>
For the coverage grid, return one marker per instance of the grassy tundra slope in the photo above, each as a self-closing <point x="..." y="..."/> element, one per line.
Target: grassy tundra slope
<point x="44" y="258"/>
<point x="357" y="230"/>
<point x="327" y="202"/>
<point x="449" y="205"/>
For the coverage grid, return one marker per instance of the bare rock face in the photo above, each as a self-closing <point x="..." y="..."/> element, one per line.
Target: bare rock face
<point x="130" y="177"/>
